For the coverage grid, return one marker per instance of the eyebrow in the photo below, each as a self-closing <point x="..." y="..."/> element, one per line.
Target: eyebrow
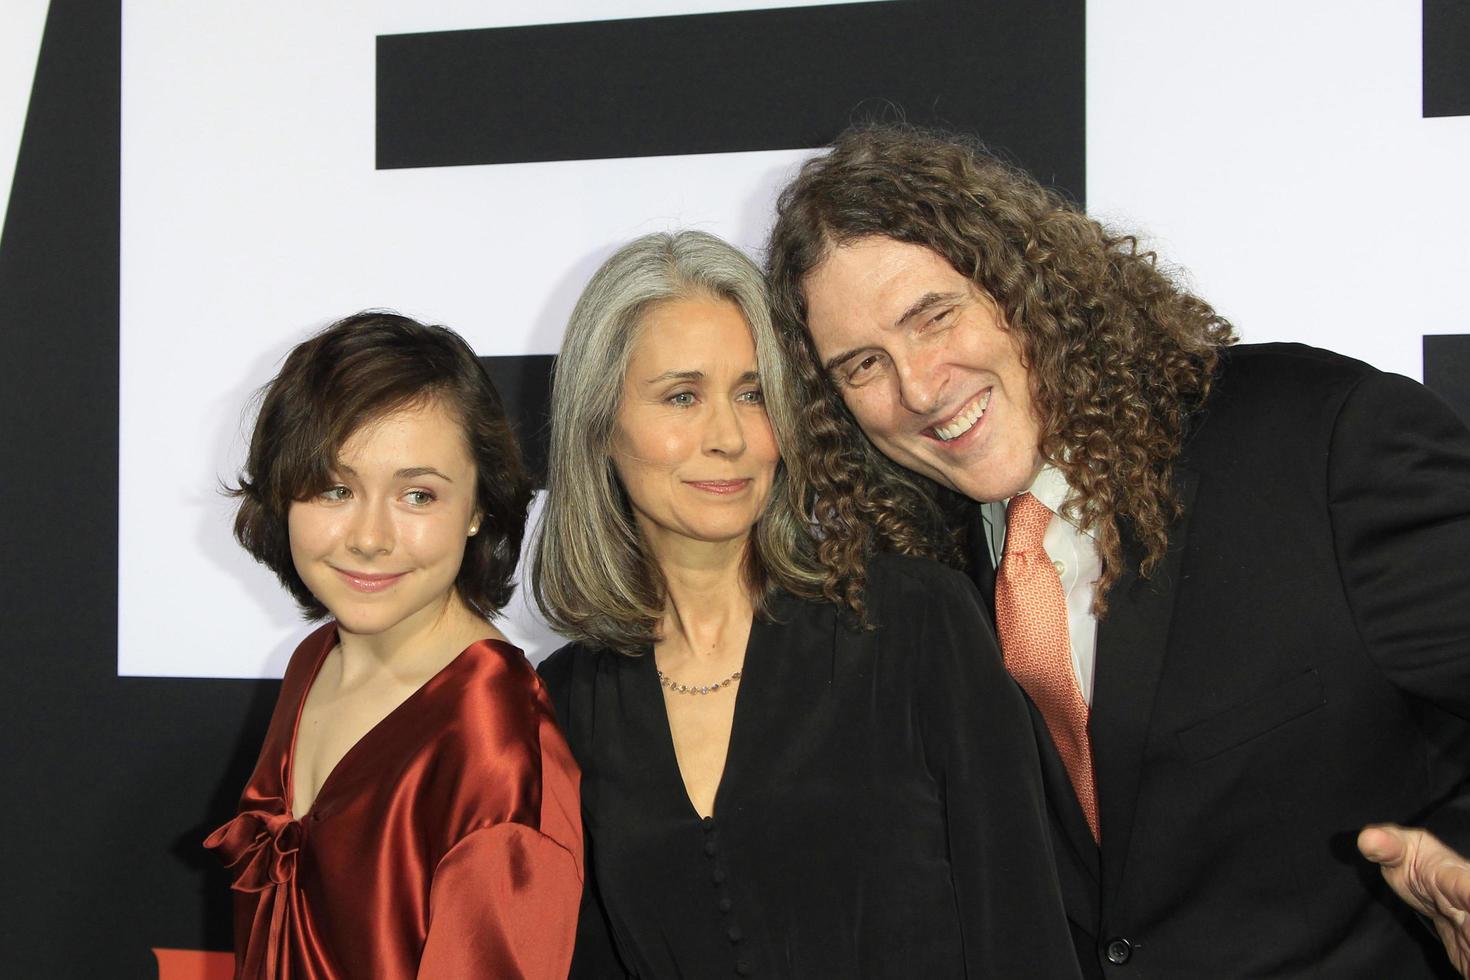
<point x="841" y="357"/>
<point x="407" y="473"/>
<point x="676" y="376"/>
<point x="745" y="378"/>
<point x="920" y="306"/>
<point x="413" y="471"/>
<point x="925" y="303"/>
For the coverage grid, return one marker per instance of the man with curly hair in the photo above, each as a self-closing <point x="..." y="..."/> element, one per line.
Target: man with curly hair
<point x="1248" y="633"/>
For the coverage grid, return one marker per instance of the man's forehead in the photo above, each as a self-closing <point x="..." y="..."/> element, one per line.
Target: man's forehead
<point x="882" y="280"/>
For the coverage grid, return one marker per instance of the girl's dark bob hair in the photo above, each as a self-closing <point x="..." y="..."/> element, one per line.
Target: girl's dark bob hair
<point x="356" y="371"/>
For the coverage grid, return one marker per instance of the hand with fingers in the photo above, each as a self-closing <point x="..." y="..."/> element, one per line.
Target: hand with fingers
<point x="1433" y="879"/>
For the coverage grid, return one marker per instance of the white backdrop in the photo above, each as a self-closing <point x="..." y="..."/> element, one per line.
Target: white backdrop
<point x="1276" y="152"/>
<point x="20" y="43"/>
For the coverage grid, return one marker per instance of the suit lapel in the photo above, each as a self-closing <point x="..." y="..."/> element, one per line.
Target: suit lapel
<point x="1131" y="643"/>
<point x="978" y="563"/>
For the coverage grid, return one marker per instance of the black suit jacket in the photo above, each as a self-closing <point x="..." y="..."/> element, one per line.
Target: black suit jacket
<point x="1299" y="667"/>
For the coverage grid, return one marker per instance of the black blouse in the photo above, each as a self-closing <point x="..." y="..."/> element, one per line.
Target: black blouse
<point x="880" y="812"/>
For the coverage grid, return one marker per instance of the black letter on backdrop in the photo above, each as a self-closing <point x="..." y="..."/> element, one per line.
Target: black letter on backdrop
<point x="1447" y="370"/>
<point x="1446" y="58"/>
<point x="1012" y="73"/>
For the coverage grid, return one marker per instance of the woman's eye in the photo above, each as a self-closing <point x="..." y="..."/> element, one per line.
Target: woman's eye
<point x="683" y="399"/>
<point x="335" y="493"/>
<point x="419" y="498"/>
<point x="754" y="396"/>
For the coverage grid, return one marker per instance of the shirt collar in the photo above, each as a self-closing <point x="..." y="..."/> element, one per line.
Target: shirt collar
<point x="1051" y="488"/>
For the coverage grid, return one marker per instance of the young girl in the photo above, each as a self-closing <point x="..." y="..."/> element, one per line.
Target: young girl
<point x="414" y="812"/>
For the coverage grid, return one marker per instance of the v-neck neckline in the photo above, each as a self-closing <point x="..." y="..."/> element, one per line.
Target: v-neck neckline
<point x="735" y="744"/>
<point x="289" y="775"/>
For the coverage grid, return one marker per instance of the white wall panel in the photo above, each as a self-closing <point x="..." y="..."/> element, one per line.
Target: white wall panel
<point x="21" y="24"/>
<point x="252" y="214"/>
<point x="1277" y="152"/>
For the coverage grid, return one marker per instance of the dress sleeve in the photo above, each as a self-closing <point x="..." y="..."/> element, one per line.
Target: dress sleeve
<point x="1399" y="493"/>
<point x="979" y="743"/>
<point x="503" y="904"/>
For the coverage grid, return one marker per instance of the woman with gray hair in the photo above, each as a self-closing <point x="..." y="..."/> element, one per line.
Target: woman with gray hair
<point x="782" y="776"/>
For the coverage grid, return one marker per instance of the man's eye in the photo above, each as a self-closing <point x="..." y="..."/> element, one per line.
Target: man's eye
<point x="864" y="367"/>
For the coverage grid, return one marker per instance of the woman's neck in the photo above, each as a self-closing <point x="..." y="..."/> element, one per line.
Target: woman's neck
<point x="709" y="602"/>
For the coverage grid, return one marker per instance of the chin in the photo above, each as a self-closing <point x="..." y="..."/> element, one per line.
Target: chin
<point x="367" y="619"/>
<point x="359" y="624"/>
<point x="992" y="481"/>
<point x="717" y="535"/>
<point x="990" y="491"/>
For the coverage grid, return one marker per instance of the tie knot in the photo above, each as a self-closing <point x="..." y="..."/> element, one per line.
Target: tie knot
<point x="1026" y="521"/>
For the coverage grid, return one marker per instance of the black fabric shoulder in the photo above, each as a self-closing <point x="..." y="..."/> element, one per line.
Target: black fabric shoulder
<point x="556" y="669"/>
<point x="1292" y="391"/>
<point x="901" y="587"/>
<point x="558" y="672"/>
<point x="1278" y="368"/>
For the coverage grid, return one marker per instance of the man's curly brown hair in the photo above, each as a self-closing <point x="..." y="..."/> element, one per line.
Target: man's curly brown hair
<point x="1118" y="355"/>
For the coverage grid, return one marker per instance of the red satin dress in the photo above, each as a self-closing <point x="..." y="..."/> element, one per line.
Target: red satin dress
<point x="447" y="843"/>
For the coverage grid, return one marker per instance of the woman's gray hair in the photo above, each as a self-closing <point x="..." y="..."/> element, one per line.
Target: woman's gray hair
<point x="592" y="577"/>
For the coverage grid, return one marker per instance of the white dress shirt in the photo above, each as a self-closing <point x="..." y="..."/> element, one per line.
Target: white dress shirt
<point x="1074" y="554"/>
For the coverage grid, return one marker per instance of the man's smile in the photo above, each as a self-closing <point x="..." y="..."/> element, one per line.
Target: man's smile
<point x="964" y="420"/>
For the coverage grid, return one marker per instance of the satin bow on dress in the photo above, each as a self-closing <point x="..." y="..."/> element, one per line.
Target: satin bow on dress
<point x="260" y="846"/>
<point x="446" y="843"/>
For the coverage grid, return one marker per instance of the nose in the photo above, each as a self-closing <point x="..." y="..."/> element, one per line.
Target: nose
<point x="370" y="531"/>
<point x="724" y="433"/>
<point x="921" y="379"/>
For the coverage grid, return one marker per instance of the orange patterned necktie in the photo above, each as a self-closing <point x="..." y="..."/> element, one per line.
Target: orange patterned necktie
<point x="1031" y="616"/>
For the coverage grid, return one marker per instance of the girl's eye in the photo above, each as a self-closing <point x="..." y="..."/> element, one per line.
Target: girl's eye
<point x="683" y="399"/>
<point x="335" y="493"/>
<point x="419" y="498"/>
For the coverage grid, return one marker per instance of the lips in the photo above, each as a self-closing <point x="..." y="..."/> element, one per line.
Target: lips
<point x="720" y="487"/>
<point x="368" y="581"/>
<point x="965" y="419"/>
